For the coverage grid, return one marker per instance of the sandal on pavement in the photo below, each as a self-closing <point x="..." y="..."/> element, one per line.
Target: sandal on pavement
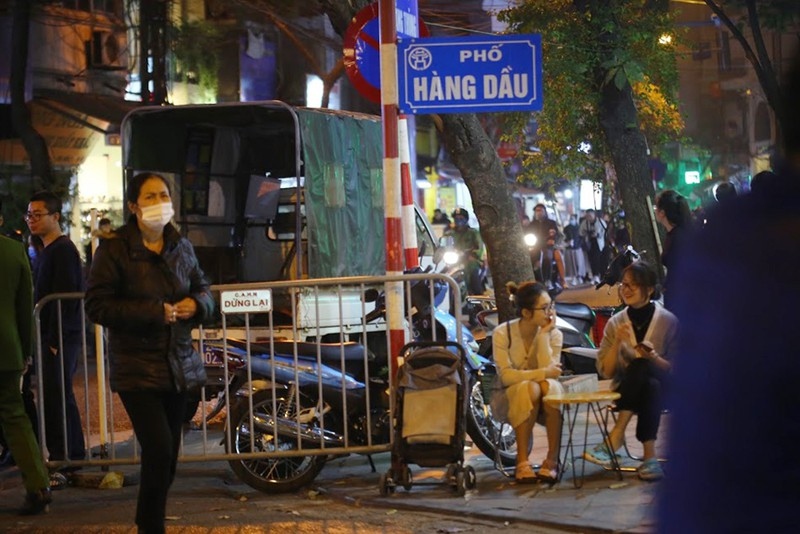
<point x="525" y="473"/>
<point x="549" y="472"/>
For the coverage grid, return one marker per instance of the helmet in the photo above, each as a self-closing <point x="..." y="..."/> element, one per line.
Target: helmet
<point x="460" y="212"/>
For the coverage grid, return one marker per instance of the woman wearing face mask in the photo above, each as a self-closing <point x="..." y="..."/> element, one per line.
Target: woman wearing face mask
<point x="637" y="345"/>
<point x="146" y="286"/>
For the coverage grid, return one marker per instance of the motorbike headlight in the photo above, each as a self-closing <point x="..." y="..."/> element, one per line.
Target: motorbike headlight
<point x="451" y="257"/>
<point x="530" y="240"/>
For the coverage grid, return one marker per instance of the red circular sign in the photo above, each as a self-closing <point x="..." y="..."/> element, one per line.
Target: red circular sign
<point x="362" y="52"/>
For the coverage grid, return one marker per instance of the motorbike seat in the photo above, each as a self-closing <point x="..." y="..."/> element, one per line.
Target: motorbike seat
<point x="575" y="310"/>
<point x="329" y="352"/>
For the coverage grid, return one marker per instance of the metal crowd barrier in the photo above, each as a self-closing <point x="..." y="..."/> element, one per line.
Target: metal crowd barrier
<point x="331" y="310"/>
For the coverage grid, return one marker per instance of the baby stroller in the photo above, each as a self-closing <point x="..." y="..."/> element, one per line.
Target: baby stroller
<point x="430" y="416"/>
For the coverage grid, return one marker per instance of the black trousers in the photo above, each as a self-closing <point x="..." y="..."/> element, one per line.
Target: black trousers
<point x="57" y="413"/>
<point x="157" y="418"/>
<point x="641" y="391"/>
<point x="595" y="258"/>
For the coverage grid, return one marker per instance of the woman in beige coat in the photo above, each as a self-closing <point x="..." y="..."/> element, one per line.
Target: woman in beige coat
<point x="527" y="352"/>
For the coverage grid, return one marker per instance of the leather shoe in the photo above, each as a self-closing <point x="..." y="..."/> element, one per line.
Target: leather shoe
<point x="36" y="502"/>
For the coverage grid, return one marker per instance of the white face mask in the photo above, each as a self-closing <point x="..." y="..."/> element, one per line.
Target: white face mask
<point x="157" y="216"/>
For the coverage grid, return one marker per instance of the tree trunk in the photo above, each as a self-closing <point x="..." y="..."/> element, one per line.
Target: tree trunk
<point x="473" y="153"/>
<point x="628" y="148"/>
<point x="34" y="143"/>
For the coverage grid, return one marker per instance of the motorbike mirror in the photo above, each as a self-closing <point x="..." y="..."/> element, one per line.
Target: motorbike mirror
<point x="371" y="295"/>
<point x="530" y="240"/>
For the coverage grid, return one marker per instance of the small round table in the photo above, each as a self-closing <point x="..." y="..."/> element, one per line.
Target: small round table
<point x="593" y="402"/>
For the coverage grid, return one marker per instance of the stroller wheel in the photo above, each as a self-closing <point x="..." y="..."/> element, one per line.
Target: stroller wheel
<point x="406" y="479"/>
<point x="386" y="485"/>
<point x="471" y="479"/>
<point x="450" y="473"/>
<point x="461" y="488"/>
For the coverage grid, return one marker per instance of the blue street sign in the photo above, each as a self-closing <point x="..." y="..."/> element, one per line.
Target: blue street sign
<point x="481" y="74"/>
<point x="406" y="15"/>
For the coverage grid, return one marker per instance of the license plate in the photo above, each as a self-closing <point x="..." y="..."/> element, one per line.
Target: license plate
<point x="213" y="358"/>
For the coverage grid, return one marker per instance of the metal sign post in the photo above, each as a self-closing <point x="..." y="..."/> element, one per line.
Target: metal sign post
<point x="391" y="177"/>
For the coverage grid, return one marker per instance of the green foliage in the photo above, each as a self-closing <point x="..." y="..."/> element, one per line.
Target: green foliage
<point x="195" y="45"/>
<point x="581" y="53"/>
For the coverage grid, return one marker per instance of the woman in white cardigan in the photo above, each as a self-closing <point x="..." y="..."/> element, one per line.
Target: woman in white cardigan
<point x="637" y="345"/>
<point x="527" y="352"/>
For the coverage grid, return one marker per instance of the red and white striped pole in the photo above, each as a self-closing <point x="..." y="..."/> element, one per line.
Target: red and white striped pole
<point x="391" y="180"/>
<point x="409" y="217"/>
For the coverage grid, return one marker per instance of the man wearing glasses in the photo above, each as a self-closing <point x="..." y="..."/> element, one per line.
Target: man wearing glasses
<point x="57" y="270"/>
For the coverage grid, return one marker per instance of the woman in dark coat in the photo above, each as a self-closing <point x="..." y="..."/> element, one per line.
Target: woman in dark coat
<point x="147" y="288"/>
<point x="673" y="213"/>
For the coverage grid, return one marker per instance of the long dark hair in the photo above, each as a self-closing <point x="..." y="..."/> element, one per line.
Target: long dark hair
<point x="525" y="294"/>
<point x="675" y="208"/>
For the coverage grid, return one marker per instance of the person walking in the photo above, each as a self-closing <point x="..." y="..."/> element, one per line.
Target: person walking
<point x="16" y="341"/>
<point x="593" y="232"/>
<point x="57" y="269"/>
<point x="546" y="258"/>
<point x="147" y="288"/>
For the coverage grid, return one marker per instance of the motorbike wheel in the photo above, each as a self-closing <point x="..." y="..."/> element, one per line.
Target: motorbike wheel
<point x="485" y="431"/>
<point x="270" y="475"/>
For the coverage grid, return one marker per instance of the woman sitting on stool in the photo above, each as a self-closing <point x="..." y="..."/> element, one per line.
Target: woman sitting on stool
<point x="637" y="344"/>
<point x="527" y="352"/>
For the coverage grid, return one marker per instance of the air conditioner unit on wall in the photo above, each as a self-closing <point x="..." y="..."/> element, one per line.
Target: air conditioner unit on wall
<point x="104" y="51"/>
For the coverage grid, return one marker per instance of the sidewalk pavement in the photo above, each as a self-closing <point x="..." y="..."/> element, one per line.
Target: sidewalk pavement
<point x="204" y="492"/>
<point x="602" y="504"/>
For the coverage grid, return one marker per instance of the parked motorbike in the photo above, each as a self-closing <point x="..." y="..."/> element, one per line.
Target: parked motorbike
<point x="324" y="398"/>
<point x="327" y="396"/>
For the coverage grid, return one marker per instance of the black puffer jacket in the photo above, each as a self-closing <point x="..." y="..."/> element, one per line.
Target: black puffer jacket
<point x="127" y="288"/>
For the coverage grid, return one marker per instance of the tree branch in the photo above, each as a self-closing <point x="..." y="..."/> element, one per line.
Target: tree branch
<point x="767" y="80"/>
<point x="758" y="39"/>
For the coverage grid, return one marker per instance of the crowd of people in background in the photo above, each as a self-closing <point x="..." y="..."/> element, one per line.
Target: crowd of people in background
<point x="579" y="249"/>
